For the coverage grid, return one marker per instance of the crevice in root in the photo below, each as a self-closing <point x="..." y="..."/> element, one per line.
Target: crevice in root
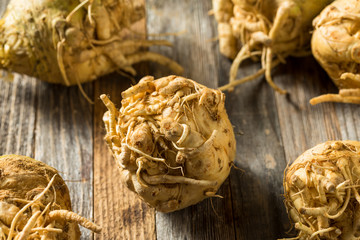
<point x="132" y="43"/>
<point x="342" y="210"/>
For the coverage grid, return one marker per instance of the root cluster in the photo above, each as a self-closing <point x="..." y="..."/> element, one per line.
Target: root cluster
<point x="322" y="191"/>
<point x="35" y="203"/>
<point x="265" y="30"/>
<point x="335" y="45"/>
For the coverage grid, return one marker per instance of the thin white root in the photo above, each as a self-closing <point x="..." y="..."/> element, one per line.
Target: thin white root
<point x="241" y="56"/>
<point x="335" y="98"/>
<point x="229" y="86"/>
<point x="322" y="231"/>
<point x="73" y="217"/>
<point x="138" y="173"/>
<point x="29" y="225"/>
<point x="17" y="216"/>
<point x="155" y="57"/>
<point x="185" y="133"/>
<point x="47" y="229"/>
<point x="268" y="67"/>
<point x="160" y="179"/>
<point x="60" y="60"/>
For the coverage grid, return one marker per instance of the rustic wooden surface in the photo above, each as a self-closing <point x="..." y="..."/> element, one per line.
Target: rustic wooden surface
<point x="56" y="125"/>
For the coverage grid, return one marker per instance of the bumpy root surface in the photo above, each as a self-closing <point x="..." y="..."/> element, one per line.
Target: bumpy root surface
<point x="172" y="141"/>
<point x="265" y="34"/>
<point x="322" y="191"/>
<point x="72" y="42"/>
<point x="335" y="45"/>
<point x="35" y="202"/>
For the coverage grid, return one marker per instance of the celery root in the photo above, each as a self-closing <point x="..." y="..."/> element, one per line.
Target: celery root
<point x="336" y="46"/>
<point x="172" y="141"/>
<point x="266" y="30"/>
<point x="71" y="41"/>
<point x="322" y="191"/>
<point x="35" y="202"/>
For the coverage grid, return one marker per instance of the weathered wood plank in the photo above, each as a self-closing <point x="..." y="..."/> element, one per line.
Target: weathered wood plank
<point x="302" y="125"/>
<point x="118" y="210"/>
<point x="64" y="140"/>
<point x="17" y="116"/>
<point x="258" y="207"/>
<point x="194" y="50"/>
<point x="349" y="116"/>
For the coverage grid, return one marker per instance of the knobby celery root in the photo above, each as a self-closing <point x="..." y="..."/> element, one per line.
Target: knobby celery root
<point x="75" y="41"/>
<point x="268" y="30"/>
<point x="336" y="46"/>
<point x="172" y="141"/>
<point x="35" y="202"/>
<point x="321" y="191"/>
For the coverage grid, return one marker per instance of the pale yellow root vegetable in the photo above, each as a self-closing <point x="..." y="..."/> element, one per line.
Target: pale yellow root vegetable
<point x="322" y="191"/>
<point x="336" y="46"/>
<point x="75" y="41"/>
<point x="265" y="30"/>
<point x="35" y="202"/>
<point x="172" y="141"/>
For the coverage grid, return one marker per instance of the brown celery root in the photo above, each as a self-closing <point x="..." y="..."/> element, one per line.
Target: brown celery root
<point x="336" y="46"/>
<point x="35" y="202"/>
<point x="322" y="191"/>
<point x="71" y="41"/>
<point x="264" y="30"/>
<point x="172" y="141"/>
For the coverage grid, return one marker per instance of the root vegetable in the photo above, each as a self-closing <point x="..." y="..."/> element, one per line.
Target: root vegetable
<point x="268" y="30"/>
<point x="35" y="202"/>
<point x="172" y="141"/>
<point x="322" y="191"/>
<point x="336" y="46"/>
<point x="71" y="41"/>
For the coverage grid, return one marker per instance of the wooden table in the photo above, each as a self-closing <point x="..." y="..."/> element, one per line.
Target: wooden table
<point x="58" y="126"/>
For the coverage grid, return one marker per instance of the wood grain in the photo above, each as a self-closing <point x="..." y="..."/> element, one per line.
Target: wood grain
<point x="64" y="140"/>
<point x="18" y="116"/>
<point x="56" y="125"/>
<point x="303" y="125"/>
